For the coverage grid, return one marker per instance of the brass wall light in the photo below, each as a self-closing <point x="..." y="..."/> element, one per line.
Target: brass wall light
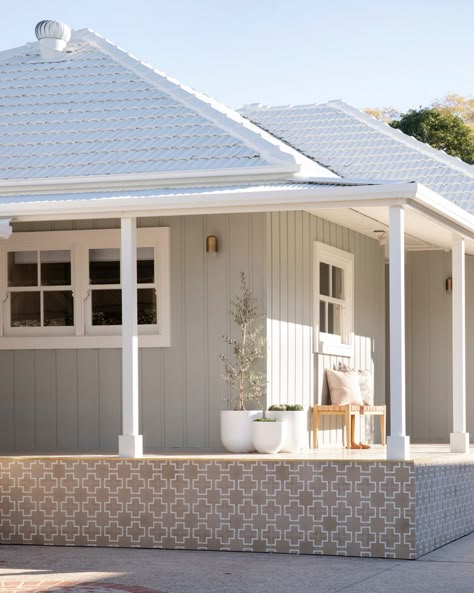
<point x="212" y="246"/>
<point x="449" y="284"/>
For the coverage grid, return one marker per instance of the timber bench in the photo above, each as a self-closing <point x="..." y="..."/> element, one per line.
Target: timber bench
<point x="348" y="412"/>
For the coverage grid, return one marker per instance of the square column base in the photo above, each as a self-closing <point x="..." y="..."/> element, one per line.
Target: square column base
<point x="130" y="445"/>
<point x="398" y="448"/>
<point x="459" y="442"/>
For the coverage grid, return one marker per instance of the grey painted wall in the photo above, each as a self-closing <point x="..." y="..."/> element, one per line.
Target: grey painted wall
<point x="429" y="343"/>
<point x="70" y="400"/>
<point x="296" y="374"/>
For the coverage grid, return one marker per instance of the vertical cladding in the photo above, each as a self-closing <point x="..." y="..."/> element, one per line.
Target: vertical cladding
<point x="69" y="400"/>
<point x="295" y="373"/>
<point x="306" y="507"/>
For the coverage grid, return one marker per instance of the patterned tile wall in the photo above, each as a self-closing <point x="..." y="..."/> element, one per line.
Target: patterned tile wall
<point x="444" y="503"/>
<point x="332" y="507"/>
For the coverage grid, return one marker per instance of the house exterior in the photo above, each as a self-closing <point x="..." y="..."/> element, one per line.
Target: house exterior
<point x="354" y="144"/>
<point x="112" y="177"/>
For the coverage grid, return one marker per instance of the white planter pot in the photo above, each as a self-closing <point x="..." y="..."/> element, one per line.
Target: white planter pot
<point x="295" y="433"/>
<point x="267" y="436"/>
<point x="236" y="430"/>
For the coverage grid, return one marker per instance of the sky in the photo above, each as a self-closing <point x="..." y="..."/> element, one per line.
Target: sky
<point x="403" y="54"/>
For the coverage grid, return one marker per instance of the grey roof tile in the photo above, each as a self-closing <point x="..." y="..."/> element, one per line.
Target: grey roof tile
<point x="355" y="145"/>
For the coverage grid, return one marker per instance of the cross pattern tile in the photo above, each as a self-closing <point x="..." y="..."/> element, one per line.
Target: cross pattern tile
<point x="444" y="503"/>
<point x="329" y="507"/>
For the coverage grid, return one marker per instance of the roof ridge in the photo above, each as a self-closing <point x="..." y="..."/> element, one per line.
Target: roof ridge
<point x="271" y="149"/>
<point x="422" y="147"/>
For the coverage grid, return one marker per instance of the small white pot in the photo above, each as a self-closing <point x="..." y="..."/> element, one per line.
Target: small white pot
<point x="295" y="436"/>
<point x="267" y="436"/>
<point x="236" y="430"/>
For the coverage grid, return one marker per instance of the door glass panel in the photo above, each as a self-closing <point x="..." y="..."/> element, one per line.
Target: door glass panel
<point x="58" y="308"/>
<point x="55" y="268"/>
<point x="22" y="268"/>
<point x="25" y="309"/>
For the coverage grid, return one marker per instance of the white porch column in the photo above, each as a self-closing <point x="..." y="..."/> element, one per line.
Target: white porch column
<point x="398" y="444"/>
<point x="459" y="438"/>
<point x="130" y="442"/>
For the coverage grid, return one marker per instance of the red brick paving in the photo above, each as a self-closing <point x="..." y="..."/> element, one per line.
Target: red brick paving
<point x="61" y="586"/>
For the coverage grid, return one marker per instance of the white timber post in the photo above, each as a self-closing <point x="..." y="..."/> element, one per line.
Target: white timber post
<point x="130" y="442"/>
<point x="398" y="443"/>
<point x="459" y="438"/>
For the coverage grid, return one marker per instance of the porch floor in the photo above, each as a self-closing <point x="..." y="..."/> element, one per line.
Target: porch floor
<point x="427" y="453"/>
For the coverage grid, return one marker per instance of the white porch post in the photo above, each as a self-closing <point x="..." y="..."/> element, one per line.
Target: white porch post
<point x="130" y="442"/>
<point x="459" y="438"/>
<point x="398" y="444"/>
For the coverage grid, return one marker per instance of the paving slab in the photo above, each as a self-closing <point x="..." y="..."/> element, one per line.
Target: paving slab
<point x="45" y="569"/>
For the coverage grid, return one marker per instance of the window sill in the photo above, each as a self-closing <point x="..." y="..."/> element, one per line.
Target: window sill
<point x="78" y="342"/>
<point x="344" y="350"/>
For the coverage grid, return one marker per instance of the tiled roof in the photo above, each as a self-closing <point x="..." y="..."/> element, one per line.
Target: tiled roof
<point x="354" y="144"/>
<point x="100" y="111"/>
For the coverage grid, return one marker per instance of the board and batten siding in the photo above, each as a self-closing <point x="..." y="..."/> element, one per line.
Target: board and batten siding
<point x="70" y="400"/>
<point x="429" y="346"/>
<point x="296" y="374"/>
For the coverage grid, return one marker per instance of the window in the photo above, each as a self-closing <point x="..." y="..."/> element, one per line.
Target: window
<point x="333" y="300"/>
<point x="39" y="292"/>
<point x="68" y="285"/>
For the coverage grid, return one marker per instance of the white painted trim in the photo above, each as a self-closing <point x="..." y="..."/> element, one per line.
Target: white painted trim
<point x="76" y="336"/>
<point x="327" y="343"/>
<point x="457" y="441"/>
<point x="130" y="371"/>
<point x="398" y="444"/>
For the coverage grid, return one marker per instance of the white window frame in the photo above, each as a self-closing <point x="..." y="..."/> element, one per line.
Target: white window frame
<point x="82" y="334"/>
<point x="325" y="343"/>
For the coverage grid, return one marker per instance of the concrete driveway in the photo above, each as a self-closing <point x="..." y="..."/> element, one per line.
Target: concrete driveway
<point x="29" y="569"/>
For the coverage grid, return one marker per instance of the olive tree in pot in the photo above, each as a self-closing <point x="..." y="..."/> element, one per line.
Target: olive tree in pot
<point x="247" y="384"/>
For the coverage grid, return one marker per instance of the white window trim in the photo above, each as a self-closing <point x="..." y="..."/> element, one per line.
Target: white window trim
<point x="324" y="343"/>
<point x="76" y="336"/>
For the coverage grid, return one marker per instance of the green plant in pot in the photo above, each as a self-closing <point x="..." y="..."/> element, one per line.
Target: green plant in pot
<point x="267" y="434"/>
<point x="246" y="382"/>
<point x="295" y="420"/>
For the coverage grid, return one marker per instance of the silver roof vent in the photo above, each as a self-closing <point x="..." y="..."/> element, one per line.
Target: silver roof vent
<point x="53" y="37"/>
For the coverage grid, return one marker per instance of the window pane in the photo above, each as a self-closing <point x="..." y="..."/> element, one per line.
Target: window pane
<point x="106" y="307"/>
<point x="25" y="309"/>
<point x="104" y="266"/>
<point x="58" y="308"/>
<point x="55" y="268"/>
<point x="324" y="279"/>
<point x="334" y="319"/>
<point x="145" y="265"/>
<point x="337" y="278"/>
<point x="22" y="268"/>
<point x="146" y="306"/>
<point x="322" y="316"/>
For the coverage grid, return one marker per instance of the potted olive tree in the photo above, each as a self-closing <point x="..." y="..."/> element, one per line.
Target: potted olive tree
<point x="247" y="384"/>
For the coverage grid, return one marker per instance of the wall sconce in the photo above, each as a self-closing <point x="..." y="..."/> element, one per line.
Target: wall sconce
<point x="212" y="246"/>
<point x="449" y="284"/>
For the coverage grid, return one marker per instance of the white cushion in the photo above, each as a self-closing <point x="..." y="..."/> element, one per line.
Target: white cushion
<point x="344" y="388"/>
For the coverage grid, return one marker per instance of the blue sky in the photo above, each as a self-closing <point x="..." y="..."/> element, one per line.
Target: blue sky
<point x="403" y="54"/>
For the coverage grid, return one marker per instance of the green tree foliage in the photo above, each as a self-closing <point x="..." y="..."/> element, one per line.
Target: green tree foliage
<point x="440" y="129"/>
<point x="246" y="382"/>
<point x="457" y="105"/>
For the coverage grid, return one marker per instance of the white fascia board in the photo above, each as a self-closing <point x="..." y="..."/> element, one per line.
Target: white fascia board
<point x="211" y="202"/>
<point x="445" y="212"/>
<point x="270" y="148"/>
<point x="44" y="185"/>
